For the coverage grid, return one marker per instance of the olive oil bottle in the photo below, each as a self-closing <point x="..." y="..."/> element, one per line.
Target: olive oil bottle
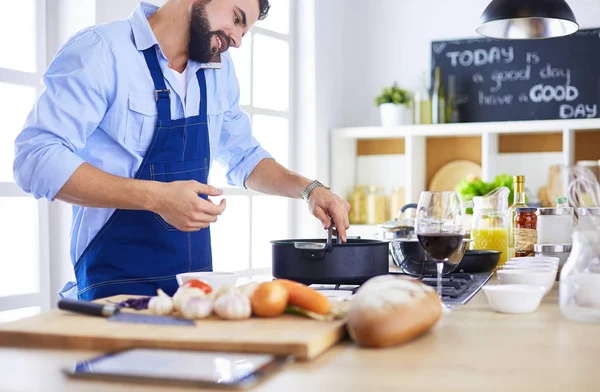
<point x="518" y="202"/>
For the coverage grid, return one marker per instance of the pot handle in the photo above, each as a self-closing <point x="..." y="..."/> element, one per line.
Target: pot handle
<point x="312" y="246"/>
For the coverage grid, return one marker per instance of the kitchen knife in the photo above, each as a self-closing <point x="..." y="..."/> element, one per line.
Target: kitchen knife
<point x="112" y="313"/>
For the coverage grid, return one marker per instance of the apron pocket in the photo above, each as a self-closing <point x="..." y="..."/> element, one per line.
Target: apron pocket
<point x="178" y="171"/>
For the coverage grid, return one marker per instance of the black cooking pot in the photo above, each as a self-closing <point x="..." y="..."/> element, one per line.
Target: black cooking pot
<point x="320" y="261"/>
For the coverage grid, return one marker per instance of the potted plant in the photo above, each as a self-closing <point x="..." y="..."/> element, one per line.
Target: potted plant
<point x="394" y="106"/>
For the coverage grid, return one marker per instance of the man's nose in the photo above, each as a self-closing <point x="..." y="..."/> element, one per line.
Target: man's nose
<point x="236" y="38"/>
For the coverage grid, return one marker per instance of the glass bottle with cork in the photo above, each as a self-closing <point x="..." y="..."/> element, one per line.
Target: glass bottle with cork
<point x="518" y="202"/>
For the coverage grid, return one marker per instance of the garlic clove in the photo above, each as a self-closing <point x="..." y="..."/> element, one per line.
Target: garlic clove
<point x="233" y="307"/>
<point x="160" y="305"/>
<point x="195" y="308"/>
<point x="186" y="292"/>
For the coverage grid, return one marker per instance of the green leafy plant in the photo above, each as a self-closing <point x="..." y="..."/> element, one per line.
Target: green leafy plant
<point x="475" y="186"/>
<point x="395" y="95"/>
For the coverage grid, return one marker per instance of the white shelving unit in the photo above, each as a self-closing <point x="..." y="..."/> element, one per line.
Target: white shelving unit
<point x="342" y="170"/>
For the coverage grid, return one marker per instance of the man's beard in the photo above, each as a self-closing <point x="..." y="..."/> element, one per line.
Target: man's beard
<point x="199" y="48"/>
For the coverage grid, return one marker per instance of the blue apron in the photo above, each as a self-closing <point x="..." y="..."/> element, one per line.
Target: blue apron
<point x="137" y="252"/>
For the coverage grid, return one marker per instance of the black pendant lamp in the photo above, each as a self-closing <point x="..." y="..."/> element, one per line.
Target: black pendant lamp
<point x="527" y="19"/>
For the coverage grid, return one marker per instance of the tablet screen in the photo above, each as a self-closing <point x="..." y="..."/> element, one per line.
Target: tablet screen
<point x="179" y="365"/>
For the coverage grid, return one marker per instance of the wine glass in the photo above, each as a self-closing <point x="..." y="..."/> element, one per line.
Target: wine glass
<point x="438" y="226"/>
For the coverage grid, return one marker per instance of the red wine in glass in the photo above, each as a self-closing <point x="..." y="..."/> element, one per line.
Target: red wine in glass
<point x="440" y="246"/>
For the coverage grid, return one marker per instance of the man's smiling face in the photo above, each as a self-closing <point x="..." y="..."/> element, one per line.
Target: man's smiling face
<point x="215" y="25"/>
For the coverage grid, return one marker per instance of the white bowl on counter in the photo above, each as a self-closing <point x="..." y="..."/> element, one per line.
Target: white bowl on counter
<point x="544" y="277"/>
<point x="213" y="279"/>
<point x="530" y="266"/>
<point x="531" y="259"/>
<point x="514" y="298"/>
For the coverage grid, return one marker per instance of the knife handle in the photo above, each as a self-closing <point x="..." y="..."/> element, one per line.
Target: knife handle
<point x="86" y="307"/>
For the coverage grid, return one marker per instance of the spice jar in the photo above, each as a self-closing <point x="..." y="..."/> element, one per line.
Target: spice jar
<point x="376" y="206"/>
<point x="358" y="205"/>
<point x="525" y="231"/>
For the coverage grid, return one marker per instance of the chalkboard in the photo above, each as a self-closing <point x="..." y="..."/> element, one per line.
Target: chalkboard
<point x="502" y="80"/>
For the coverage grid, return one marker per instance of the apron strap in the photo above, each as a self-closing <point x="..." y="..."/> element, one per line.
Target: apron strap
<point x="202" y="82"/>
<point x="161" y="93"/>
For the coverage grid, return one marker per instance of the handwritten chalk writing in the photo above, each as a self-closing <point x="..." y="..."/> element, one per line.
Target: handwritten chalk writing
<point x="478" y="78"/>
<point x="545" y="93"/>
<point x="491" y="100"/>
<point x="579" y="111"/>
<point x="523" y="97"/>
<point x="552" y="73"/>
<point x="510" y="76"/>
<point x="532" y="58"/>
<point x="479" y="57"/>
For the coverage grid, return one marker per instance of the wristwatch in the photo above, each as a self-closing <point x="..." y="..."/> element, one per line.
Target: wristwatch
<point x="312" y="186"/>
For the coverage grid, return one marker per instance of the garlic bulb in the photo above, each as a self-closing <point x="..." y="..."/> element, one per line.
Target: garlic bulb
<point x="225" y="289"/>
<point x="195" y="308"/>
<point x="161" y="304"/>
<point x="233" y="307"/>
<point x="184" y="293"/>
<point x="248" y="288"/>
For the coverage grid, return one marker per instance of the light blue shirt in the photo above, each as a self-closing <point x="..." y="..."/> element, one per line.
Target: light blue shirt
<point x="98" y="106"/>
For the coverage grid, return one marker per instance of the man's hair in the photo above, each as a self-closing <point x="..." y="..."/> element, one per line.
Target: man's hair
<point x="264" y="8"/>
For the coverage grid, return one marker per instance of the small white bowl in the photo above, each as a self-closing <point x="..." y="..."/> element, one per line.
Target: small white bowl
<point x="514" y="298"/>
<point x="213" y="279"/>
<point x="535" y="277"/>
<point x="530" y="266"/>
<point x="529" y="259"/>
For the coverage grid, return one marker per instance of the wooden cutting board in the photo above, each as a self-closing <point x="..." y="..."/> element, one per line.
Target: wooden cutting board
<point x="288" y="334"/>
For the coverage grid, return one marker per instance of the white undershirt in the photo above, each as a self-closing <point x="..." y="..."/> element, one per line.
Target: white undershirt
<point x="182" y="79"/>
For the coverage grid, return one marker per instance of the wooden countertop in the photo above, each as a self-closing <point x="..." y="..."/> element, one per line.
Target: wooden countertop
<point x="471" y="349"/>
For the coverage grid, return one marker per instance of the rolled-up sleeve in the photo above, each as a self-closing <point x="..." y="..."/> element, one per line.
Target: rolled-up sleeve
<point x="73" y="101"/>
<point x="238" y="151"/>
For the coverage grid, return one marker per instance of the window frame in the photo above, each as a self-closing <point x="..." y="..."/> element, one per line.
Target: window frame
<point x="42" y="298"/>
<point x="289" y="115"/>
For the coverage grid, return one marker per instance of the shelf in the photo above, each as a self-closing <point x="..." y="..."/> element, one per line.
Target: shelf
<point x="467" y="129"/>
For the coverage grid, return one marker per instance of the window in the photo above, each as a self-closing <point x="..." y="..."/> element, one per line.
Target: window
<point x="23" y="220"/>
<point x="241" y="238"/>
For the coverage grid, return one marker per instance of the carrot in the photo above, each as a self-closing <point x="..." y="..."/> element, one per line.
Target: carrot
<point x="305" y="297"/>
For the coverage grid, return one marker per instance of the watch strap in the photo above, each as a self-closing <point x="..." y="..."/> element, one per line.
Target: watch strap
<point x="311" y="187"/>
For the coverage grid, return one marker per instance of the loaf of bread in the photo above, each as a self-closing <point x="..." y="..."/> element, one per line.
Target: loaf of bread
<point x="390" y="310"/>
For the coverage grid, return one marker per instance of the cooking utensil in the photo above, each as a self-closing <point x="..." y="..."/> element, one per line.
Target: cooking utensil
<point x="409" y="255"/>
<point x="319" y="261"/>
<point x="399" y="227"/>
<point x="114" y="314"/>
<point x="475" y="261"/>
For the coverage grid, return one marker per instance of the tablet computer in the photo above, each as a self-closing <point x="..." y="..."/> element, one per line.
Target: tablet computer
<point x="180" y="367"/>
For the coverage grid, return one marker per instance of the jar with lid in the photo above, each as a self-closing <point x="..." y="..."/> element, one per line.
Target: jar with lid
<point x="358" y="205"/>
<point x="376" y="202"/>
<point x="525" y="231"/>
<point x="555" y="225"/>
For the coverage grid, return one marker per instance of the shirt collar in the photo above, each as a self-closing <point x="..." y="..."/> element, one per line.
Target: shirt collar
<point x="143" y="35"/>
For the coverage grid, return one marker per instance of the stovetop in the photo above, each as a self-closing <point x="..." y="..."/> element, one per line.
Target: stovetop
<point x="457" y="288"/>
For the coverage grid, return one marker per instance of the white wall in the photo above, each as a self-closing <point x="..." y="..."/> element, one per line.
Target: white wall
<point x="389" y="40"/>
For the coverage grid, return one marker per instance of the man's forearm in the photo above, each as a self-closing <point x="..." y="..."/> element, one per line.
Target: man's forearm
<point x="92" y="187"/>
<point x="271" y="178"/>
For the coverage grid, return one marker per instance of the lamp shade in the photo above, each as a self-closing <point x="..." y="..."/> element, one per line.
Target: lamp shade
<point x="527" y="19"/>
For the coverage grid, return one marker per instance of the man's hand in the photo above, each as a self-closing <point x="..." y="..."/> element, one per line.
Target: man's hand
<point x="179" y="205"/>
<point x="325" y="204"/>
